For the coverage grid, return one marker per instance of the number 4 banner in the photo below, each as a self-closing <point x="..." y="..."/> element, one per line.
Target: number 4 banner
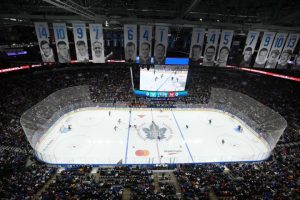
<point x="211" y="47"/>
<point x="79" y="31"/>
<point x="145" y="44"/>
<point x="130" y="42"/>
<point x="62" y="42"/>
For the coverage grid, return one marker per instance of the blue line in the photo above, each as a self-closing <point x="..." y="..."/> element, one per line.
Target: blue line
<point x="182" y="137"/>
<point x="127" y="138"/>
<point x="163" y="83"/>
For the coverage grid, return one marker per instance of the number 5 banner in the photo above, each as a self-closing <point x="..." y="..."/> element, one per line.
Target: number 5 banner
<point x="224" y="47"/>
<point x="276" y="49"/>
<point x="264" y="48"/>
<point x="288" y="50"/>
<point x="62" y="42"/>
<point x="145" y="44"/>
<point x="196" y="46"/>
<point x="42" y="33"/>
<point x="130" y="42"/>
<point x="81" y="46"/>
<point x="211" y="47"/>
<point x="161" y="44"/>
<point x="251" y="41"/>
<point x="96" y="35"/>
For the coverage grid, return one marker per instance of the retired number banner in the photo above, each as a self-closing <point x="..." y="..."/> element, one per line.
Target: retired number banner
<point x="264" y="48"/>
<point x="145" y="44"/>
<point x="224" y="47"/>
<point x="81" y="46"/>
<point x="161" y="44"/>
<point x="196" y="46"/>
<point x="251" y="41"/>
<point x="276" y="50"/>
<point x="211" y="47"/>
<point x="97" y="45"/>
<point x="62" y="42"/>
<point x="130" y="42"/>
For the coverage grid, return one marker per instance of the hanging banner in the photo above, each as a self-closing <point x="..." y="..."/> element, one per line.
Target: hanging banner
<point x="288" y="50"/>
<point x="42" y="33"/>
<point x="264" y="48"/>
<point x="80" y="40"/>
<point x="130" y="42"/>
<point x="62" y="42"/>
<point x="224" y="47"/>
<point x="276" y="49"/>
<point x="196" y="46"/>
<point x="161" y="44"/>
<point x="211" y="47"/>
<point x="97" y="45"/>
<point x="145" y="44"/>
<point x="251" y="41"/>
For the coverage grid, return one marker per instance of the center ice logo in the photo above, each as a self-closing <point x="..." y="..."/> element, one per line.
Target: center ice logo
<point x="155" y="132"/>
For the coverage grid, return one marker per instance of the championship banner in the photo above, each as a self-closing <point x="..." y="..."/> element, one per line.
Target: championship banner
<point x="130" y="42"/>
<point x="97" y="45"/>
<point x="42" y="33"/>
<point x="80" y="40"/>
<point x="145" y="44"/>
<point x="211" y="47"/>
<point x="276" y="50"/>
<point x="161" y="44"/>
<point x="62" y="42"/>
<point x="288" y="50"/>
<point x="264" y="48"/>
<point x="196" y="46"/>
<point x="251" y="41"/>
<point x="224" y="47"/>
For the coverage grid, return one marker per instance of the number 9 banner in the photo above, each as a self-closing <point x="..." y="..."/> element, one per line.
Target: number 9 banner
<point x="81" y="46"/>
<point x="145" y="44"/>
<point x="42" y="33"/>
<point x="264" y="48"/>
<point x="130" y="42"/>
<point x="62" y="42"/>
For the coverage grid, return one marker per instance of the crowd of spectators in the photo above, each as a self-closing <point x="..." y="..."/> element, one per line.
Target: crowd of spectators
<point x="276" y="178"/>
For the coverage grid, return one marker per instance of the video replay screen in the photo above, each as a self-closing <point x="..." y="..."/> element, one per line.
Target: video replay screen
<point x="164" y="78"/>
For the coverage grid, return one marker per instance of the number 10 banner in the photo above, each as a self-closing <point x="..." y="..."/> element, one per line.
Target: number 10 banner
<point x="79" y="31"/>
<point x="145" y="44"/>
<point x="62" y="42"/>
<point x="130" y="42"/>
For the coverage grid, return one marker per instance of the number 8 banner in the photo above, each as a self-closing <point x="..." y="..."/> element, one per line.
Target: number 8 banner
<point x="130" y="42"/>
<point x="264" y="48"/>
<point x="42" y="33"/>
<point x="276" y="49"/>
<point x="161" y="44"/>
<point x="96" y="35"/>
<point x="145" y="44"/>
<point x="62" y="42"/>
<point x="79" y="31"/>
<point x="211" y="47"/>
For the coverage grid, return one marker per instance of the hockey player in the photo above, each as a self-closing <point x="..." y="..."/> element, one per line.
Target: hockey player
<point x="209" y="121"/>
<point x="115" y="128"/>
<point x="119" y="121"/>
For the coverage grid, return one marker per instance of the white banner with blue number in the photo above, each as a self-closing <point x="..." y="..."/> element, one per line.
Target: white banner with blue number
<point x="97" y="45"/>
<point x="62" y="42"/>
<point x="211" y="47"/>
<point x="264" y="48"/>
<point x="80" y="41"/>
<point x="161" y="44"/>
<point x="276" y="50"/>
<point x="130" y="42"/>
<point x="287" y="51"/>
<point x="196" y="46"/>
<point x="224" y="47"/>
<point x="249" y="48"/>
<point x="145" y="44"/>
<point x="42" y="33"/>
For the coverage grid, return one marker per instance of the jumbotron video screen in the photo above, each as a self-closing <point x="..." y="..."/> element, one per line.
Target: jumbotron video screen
<point x="164" y="78"/>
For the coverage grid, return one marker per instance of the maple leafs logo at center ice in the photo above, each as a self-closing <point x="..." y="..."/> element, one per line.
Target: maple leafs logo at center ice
<point x="153" y="132"/>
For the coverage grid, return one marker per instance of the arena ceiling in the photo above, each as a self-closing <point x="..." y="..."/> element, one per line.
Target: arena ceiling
<point x="235" y="14"/>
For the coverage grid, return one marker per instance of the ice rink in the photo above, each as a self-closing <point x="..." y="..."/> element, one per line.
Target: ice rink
<point x="149" y="136"/>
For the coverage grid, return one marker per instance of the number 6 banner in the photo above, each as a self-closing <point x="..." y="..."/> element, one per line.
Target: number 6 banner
<point x="79" y="31"/>
<point x="130" y="42"/>
<point x="96" y="35"/>
<point x="276" y="49"/>
<point x="196" y="46"/>
<point x="211" y="47"/>
<point x="62" y="42"/>
<point x="42" y="33"/>
<point x="224" y="47"/>
<point x="251" y="41"/>
<point x="161" y="44"/>
<point x="288" y="50"/>
<point x="145" y="44"/>
<point x="264" y="48"/>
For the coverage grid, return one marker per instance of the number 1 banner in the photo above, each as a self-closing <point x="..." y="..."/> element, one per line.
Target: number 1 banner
<point x="96" y="36"/>
<point x="161" y="44"/>
<point x="288" y="50"/>
<point x="42" y="33"/>
<point x="81" y="46"/>
<point x="276" y="50"/>
<point x="251" y="41"/>
<point x="224" y="47"/>
<point x="264" y="48"/>
<point x="196" y="46"/>
<point x="62" y="42"/>
<point x="130" y="42"/>
<point x="211" y="47"/>
<point x="145" y="44"/>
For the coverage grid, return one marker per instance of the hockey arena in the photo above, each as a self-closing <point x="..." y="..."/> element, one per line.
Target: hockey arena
<point x="150" y="136"/>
